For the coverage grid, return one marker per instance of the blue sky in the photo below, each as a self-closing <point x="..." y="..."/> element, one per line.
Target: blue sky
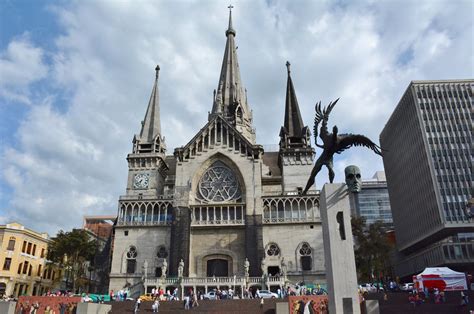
<point x="75" y="78"/>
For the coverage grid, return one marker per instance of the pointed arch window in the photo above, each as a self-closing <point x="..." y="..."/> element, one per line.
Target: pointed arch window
<point x="219" y="184"/>
<point x="162" y="253"/>
<point x="306" y="259"/>
<point x="131" y="260"/>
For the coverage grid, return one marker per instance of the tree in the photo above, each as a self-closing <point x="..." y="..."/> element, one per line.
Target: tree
<point x="372" y="249"/>
<point x="71" y="251"/>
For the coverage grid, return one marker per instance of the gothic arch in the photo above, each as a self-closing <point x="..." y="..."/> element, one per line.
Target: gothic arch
<point x="304" y="256"/>
<point x="126" y="256"/>
<point x="220" y="160"/>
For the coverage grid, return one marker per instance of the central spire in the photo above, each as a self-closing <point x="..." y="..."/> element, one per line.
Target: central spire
<point x="230" y="99"/>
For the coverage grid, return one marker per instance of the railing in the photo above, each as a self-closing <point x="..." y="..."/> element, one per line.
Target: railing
<point x="145" y="213"/>
<point x="217" y="215"/>
<point x="291" y="209"/>
<point x="210" y="281"/>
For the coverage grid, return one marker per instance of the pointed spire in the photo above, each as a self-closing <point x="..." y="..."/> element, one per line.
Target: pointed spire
<point x="150" y="139"/>
<point x="230" y="100"/>
<point x="293" y="133"/>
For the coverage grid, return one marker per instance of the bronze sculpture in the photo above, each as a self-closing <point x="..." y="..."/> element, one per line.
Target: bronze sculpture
<point x="333" y="143"/>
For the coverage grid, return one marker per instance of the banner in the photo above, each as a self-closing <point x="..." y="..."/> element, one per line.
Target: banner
<point x="308" y="304"/>
<point x="52" y="303"/>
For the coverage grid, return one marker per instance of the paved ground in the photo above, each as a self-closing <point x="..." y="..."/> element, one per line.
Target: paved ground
<point x="397" y="303"/>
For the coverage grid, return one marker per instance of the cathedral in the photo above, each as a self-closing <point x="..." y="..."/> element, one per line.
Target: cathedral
<point x="219" y="212"/>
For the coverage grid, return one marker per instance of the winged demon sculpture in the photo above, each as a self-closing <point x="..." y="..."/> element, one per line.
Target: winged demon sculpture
<point x="333" y="143"/>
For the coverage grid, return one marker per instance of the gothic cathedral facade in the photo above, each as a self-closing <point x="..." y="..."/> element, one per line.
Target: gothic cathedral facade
<point x="220" y="199"/>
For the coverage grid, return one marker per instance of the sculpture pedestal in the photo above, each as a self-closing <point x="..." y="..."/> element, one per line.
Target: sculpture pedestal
<point x="339" y="257"/>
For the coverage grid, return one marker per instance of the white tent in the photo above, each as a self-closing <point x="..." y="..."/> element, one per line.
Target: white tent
<point x="442" y="278"/>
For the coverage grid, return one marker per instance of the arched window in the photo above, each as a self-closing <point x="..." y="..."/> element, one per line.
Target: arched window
<point x="162" y="253"/>
<point x="11" y="244"/>
<point x="273" y="250"/>
<point x="131" y="260"/>
<point x="305" y="256"/>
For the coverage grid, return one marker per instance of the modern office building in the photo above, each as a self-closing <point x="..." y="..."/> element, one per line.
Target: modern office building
<point x="373" y="201"/>
<point x="24" y="269"/>
<point x="427" y="146"/>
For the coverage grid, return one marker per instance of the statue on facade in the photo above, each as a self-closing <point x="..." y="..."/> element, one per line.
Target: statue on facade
<point x="145" y="269"/>
<point x="164" y="268"/>
<point x="262" y="266"/>
<point x="283" y="267"/>
<point x="333" y="143"/>
<point x="246" y="267"/>
<point x="180" y="268"/>
<point x="353" y="179"/>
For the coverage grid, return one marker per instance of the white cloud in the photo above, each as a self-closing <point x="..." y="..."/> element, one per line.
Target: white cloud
<point x="20" y="65"/>
<point x="70" y="156"/>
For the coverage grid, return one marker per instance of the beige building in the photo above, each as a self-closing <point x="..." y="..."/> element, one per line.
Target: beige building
<point x="23" y="261"/>
<point x="219" y="211"/>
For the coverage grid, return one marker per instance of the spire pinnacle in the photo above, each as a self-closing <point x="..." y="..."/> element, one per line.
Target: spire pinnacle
<point x="157" y="71"/>
<point x="288" y="64"/>
<point x="230" y="29"/>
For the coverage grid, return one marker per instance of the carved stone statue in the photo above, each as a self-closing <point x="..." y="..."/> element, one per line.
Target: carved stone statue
<point x="246" y="267"/>
<point x="283" y="267"/>
<point x="145" y="269"/>
<point x="353" y="179"/>
<point x="164" y="268"/>
<point x="333" y="143"/>
<point x="262" y="266"/>
<point x="180" y="268"/>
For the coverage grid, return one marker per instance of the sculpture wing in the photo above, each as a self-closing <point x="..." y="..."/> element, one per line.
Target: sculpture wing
<point x="325" y="117"/>
<point x="347" y="140"/>
<point x="317" y="119"/>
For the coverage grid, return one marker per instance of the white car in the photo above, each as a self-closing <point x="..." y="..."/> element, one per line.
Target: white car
<point x="407" y="287"/>
<point x="211" y="295"/>
<point x="368" y="287"/>
<point x="265" y="294"/>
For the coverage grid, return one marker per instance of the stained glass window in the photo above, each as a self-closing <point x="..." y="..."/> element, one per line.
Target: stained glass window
<point x="219" y="184"/>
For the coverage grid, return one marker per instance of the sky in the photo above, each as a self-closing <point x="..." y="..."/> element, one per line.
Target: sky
<point x="76" y="76"/>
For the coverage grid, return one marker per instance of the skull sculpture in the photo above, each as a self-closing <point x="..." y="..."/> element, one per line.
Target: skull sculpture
<point x="353" y="179"/>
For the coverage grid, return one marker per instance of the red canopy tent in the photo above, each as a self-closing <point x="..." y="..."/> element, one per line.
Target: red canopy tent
<point x="442" y="278"/>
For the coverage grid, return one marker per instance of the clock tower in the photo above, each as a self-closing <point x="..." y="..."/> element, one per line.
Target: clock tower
<point x="146" y="164"/>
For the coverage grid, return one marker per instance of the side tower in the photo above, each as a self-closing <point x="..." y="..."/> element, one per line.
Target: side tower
<point x="141" y="241"/>
<point x="295" y="156"/>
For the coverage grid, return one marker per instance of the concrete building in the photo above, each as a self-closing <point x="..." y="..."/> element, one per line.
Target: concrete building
<point x="24" y="267"/>
<point x="373" y="201"/>
<point x="219" y="200"/>
<point x="428" y="163"/>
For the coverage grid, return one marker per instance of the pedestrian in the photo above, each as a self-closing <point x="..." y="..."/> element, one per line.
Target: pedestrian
<point x="261" y="303"/>
<point x="464" y="299"/>
<point x="195" y="300"/>
<point x="155" y="306"/>
<point x="136" y="308"/>
<point x="186" y="302"/>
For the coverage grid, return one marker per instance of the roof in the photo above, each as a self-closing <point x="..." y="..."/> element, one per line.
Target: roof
<point x="270" y="159"/>
<point x="439" y="271"/>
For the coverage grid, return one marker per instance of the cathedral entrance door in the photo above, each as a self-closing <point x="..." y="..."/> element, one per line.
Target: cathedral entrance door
<point x="217" y="267"/>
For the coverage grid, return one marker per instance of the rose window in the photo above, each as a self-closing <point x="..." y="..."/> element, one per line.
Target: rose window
<point x="305" y="249"/>
<point x="219" y="184"/>
<point x="273" y="250"/>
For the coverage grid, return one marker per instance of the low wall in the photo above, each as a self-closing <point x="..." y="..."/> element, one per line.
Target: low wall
<point x="54" y="303"/>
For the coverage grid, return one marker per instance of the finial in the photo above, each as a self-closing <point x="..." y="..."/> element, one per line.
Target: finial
<point x="230" y="29"/>
<point x="157" y="69"/>
<point x="288" y="64"/>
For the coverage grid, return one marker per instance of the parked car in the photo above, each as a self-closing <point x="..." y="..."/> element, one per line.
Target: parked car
<point x="211" y="295"/>
<point x="369" y="287"/>
<point x="407" y="287"/>
<point x="265" y="294"/>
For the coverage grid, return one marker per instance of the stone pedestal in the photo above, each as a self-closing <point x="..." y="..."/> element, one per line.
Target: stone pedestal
<point x="339" y="257"/>
<point x="93" y="308"/>
<point x="7" y="307"/>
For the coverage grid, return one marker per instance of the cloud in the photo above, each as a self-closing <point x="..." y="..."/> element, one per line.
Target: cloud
<point x="21" y="64"/>
<point x="69" y="157"/>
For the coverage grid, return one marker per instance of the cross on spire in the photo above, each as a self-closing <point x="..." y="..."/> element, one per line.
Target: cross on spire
<point x="230" y="7"/>
<point x="288" y="64"/>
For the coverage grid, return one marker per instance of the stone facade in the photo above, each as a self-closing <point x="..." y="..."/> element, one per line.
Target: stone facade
<point x="219" y="199"/>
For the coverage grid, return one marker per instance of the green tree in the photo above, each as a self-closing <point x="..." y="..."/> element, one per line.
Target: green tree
<point x="71" y="251"/>
<point x="372" y="249"/>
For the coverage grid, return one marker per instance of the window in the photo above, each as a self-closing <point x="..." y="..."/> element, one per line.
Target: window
<point x="39" y="270"/>
<point x="273" y="250"/>
<point x="20" y="268"/>
<point x="34" y="249"/>
<point x="7" y="263"/>
<point x="25" y="267"/>
<point x="125" y="233"/>
<point x="219" y="184"/>
<point x="306" y="260"/>
<point x="42" y="252"/>
<point x="131" y="260"/>
<point x="30" y="270"/>
<point x="162" y="252"/>
<point x="28" y="251"/>
<point x="23" y="249"/>
<point x="11" y="244"/>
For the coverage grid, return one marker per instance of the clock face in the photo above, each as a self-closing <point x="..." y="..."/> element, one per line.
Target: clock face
<point x="141" y="180"/>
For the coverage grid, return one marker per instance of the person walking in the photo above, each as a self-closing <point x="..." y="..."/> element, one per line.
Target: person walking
<point x="136" y="308"/>
<point x="155" y="306"/>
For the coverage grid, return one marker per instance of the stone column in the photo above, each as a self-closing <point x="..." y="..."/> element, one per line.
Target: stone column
<point x="339" y="257"/>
